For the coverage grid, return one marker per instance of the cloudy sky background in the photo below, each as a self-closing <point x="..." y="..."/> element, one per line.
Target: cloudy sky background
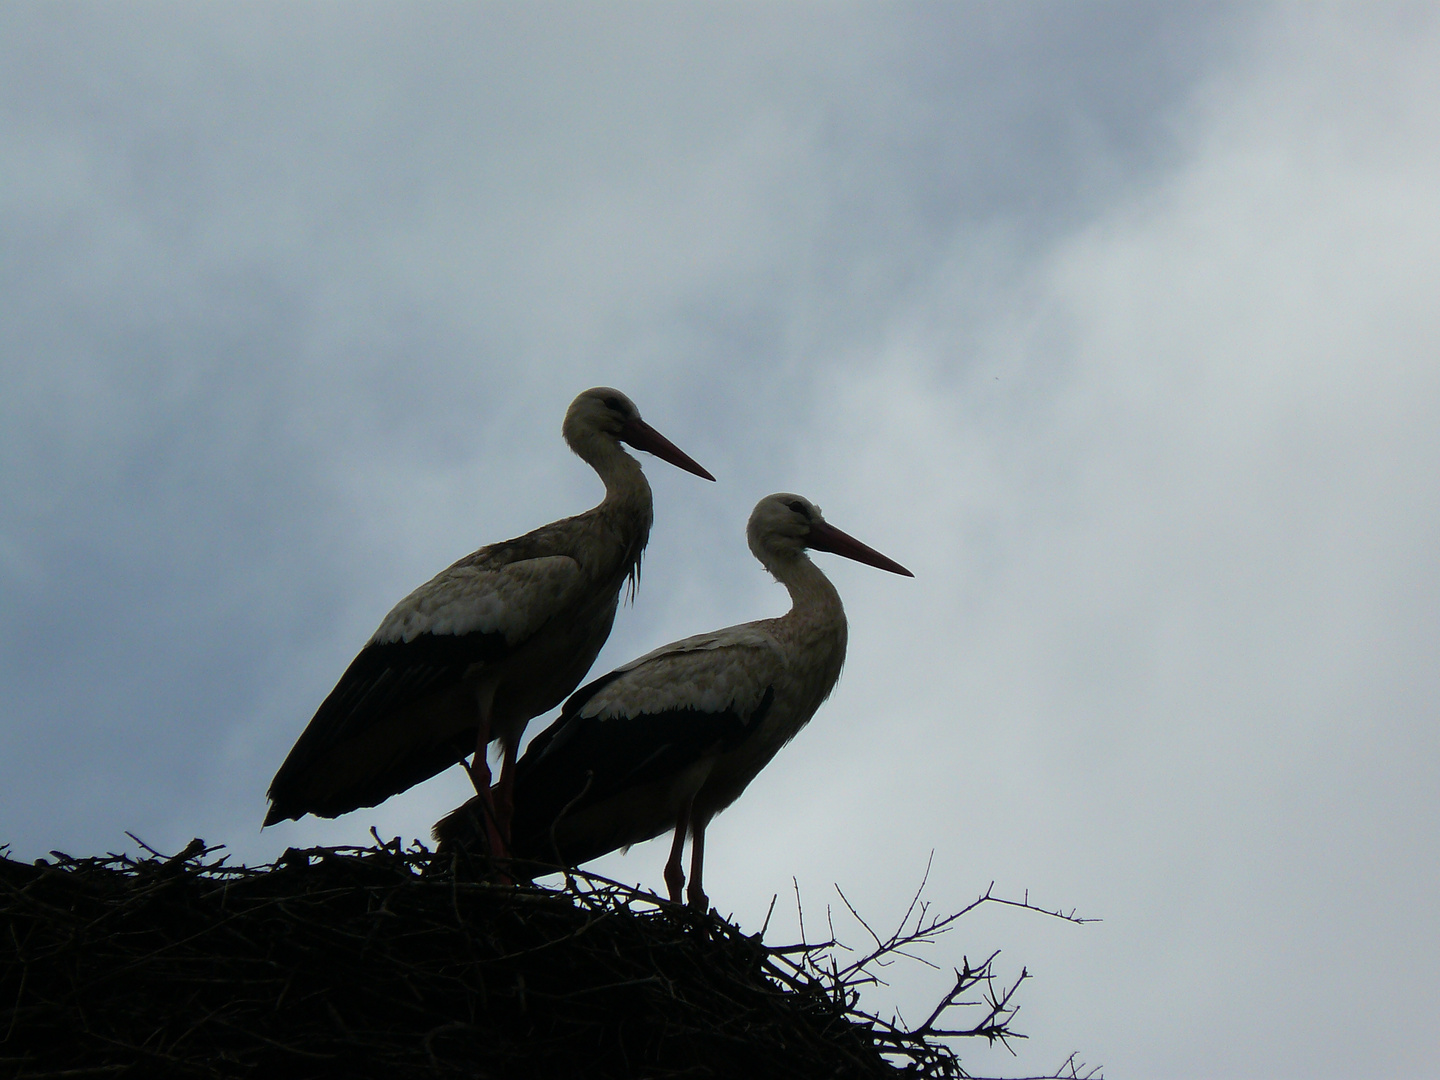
<point x="1116" y="323"/>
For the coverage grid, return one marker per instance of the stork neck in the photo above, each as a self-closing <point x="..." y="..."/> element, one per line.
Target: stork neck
<point x="625" y="483"/>
<point x="814" y="632"/>
<point x="813" y="600"/>
<point x="626" y="512"/>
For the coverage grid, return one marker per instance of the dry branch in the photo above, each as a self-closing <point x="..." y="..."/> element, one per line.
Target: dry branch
<point x="394" y="962"/>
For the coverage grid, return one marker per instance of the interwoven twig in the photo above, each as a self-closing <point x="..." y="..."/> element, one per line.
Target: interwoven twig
<point x="397" y="963"/>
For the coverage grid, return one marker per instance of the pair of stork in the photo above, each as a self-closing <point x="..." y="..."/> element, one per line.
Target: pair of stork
<point x="507" y="633"/>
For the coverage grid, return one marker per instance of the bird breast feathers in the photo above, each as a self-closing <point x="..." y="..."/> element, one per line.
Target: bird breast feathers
<point x="727" y="670"/>
<point x="513" y="600"/>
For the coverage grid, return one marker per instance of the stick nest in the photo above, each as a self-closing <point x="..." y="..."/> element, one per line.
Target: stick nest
<point x="386" y="962"/>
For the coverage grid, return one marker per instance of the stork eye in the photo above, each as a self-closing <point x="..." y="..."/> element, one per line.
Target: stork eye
<point x="613" y="402"/>
<point x="798" y="507"/>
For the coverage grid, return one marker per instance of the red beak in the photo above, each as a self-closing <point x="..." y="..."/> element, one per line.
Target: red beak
<point x="642" y="436"/>
<point x="825" y="537"/>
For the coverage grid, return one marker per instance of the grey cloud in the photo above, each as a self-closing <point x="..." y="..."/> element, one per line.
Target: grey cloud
<point x="1061" y="307"/>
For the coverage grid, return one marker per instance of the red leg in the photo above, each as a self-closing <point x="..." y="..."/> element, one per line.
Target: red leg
<point x="479" y="767"/>
<point x="504" y="795"/>
<point x="674" y="876"/>
<point x="696" y="895"/>
<point x="480" y="773"/>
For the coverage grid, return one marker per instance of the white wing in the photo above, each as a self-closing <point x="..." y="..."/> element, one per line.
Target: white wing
<point x="512" y="600"/>
<point x="725" y="670"/>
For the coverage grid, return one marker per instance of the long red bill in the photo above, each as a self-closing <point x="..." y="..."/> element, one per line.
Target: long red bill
<point x="825" y="537"/>
<point x="642" y="436"/>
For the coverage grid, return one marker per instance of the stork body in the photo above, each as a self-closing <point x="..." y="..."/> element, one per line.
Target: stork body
<point x="497" y="638"/>
<point x="671" y="739"/>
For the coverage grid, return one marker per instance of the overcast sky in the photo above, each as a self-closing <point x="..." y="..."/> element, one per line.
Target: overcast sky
<point x="1116" y="323"/>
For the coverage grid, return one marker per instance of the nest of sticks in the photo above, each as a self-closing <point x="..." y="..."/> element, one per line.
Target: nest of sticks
<point x="397" y="962"/>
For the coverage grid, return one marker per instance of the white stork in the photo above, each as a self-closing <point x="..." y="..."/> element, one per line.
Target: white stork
<point x="671" y="739"/>
<point x="501" y="636"/>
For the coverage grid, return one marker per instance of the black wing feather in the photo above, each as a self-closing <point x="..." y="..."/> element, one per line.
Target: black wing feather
<point x="385" y="676"/>
<point x="581" y="762"/>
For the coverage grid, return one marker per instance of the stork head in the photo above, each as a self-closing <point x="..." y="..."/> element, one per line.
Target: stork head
<point x="603" y="413"/>
<point x="783" y="525"/>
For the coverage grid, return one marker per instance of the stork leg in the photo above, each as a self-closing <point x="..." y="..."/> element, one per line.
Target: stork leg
<point x="504" y="792"/>
<point x="480" y="770"/>
<point x="695" y="894"/>
<point x="674" y="876"/>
